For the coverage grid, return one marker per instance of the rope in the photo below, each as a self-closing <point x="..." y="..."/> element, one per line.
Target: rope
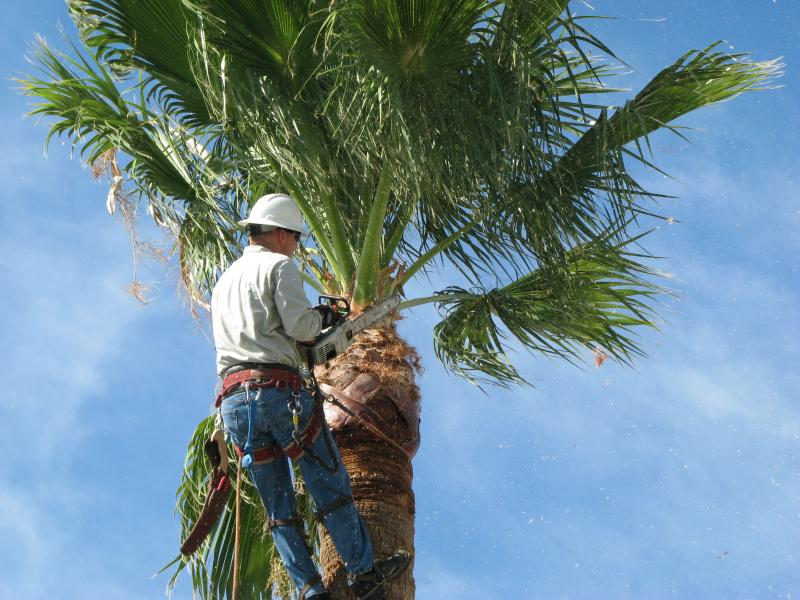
<point x="237" y="532"/>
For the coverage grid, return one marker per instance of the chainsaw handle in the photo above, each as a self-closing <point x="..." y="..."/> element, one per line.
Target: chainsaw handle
<point x="337" y="303"/>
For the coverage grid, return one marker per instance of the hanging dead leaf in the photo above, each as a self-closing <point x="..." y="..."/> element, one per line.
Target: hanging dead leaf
<point x="600" y="356"/>
<point x="141" y="291"/>
<point x="155" y="213"/>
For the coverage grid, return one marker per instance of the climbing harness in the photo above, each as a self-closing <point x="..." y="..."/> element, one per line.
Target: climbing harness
<point x="302" y="440"/>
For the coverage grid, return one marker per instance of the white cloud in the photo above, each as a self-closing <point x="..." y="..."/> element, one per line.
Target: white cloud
<point x="28" y="541"/>
<point x="67" y="322"/>
<point x="66" y="314"/>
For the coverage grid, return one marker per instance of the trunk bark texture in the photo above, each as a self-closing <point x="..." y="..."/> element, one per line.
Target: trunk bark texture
<point x="377" y="376"/>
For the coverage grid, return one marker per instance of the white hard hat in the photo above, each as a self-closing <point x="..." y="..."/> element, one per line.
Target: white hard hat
<point x="276" y="210"/>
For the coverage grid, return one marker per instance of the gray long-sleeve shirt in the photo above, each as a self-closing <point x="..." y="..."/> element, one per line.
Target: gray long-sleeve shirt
<point x="259" y="309"/>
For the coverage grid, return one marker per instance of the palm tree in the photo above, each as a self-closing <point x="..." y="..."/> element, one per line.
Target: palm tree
<point x="471" y="136"/>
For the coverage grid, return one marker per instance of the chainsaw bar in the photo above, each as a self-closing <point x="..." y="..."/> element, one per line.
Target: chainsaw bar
<point x="335" y="341"/>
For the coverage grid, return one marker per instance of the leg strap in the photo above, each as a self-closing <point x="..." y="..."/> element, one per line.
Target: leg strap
<point x="293" y="450"/>
<point x="262" y="455"/>
<point x="332" y="506"/>
<point x="294" y="521"/>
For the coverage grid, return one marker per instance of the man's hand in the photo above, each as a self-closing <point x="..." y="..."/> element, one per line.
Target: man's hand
<point x="330" y="317"/>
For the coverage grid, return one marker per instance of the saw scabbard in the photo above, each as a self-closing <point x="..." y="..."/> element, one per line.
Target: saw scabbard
<point x="219" y="487"/>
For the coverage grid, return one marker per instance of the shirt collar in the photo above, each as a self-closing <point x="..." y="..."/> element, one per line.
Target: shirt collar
<point x="255" y="248"/>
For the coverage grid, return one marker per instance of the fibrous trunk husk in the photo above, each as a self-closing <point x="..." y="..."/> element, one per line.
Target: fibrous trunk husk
<point x="377" y="371"/>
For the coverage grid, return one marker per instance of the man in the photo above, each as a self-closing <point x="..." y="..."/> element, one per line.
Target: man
<point x="259" y="312"/>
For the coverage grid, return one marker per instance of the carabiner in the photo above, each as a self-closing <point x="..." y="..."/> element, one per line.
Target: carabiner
<point x="296" y="409"/>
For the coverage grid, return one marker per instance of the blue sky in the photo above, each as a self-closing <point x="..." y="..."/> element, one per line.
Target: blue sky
<point x="679" y="478"/>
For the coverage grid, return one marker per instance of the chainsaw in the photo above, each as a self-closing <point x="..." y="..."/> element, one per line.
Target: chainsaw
<point x="335" y="340"/>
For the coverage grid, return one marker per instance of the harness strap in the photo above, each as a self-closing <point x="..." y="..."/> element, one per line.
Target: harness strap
<point x="332" y="506"/>
<point x="262" y="455"/>
<point x="296" y="522"/>
<point x="293" y="450"/>
<point x="293" y="521"/>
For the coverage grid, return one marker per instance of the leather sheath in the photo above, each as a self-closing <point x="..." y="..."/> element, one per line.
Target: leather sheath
<point x="219" y="487"/>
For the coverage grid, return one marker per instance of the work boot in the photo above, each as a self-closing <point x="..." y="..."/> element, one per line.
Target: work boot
<point x="307" y="594"/>
<point x="369" y="585"/>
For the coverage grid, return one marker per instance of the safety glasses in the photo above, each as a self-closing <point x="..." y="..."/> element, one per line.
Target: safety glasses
<point x="296" y="234"/>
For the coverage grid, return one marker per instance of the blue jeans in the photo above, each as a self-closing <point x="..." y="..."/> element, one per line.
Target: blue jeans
<point x="273" y="424"/>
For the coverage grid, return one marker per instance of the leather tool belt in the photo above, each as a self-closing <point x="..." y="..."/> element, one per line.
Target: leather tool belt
<point x="267" y="376"/>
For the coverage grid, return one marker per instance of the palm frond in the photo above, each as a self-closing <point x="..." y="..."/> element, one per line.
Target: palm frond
<point x="279" y="38"/>
<point x="604" y="292"/>
<point x="499" y="172"/>
<point x="150" y="35"/>
<point x="210" y="568"/>
<point x="698" y="78"/>
<point x="414" y="41"/>
<point x="195" y="192"/>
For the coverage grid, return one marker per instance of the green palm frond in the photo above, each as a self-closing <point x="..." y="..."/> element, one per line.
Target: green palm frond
<point x="210" y="567"/>
<point x="588" y="188"/>
<point x="698" y="78"/>
<point x="279" y="39"/>
<point x="422" y="133"/>
<point x="83" y="102"/>
<point x="88" y="108"/>
<point x="150" y="35"/>
<point x="195" y="192"/>
<point x="604" y="293"/>
<point x="418" y="40"/>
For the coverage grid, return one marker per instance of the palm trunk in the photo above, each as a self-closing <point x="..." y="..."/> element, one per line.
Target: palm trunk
<point x="378" y="372"/>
